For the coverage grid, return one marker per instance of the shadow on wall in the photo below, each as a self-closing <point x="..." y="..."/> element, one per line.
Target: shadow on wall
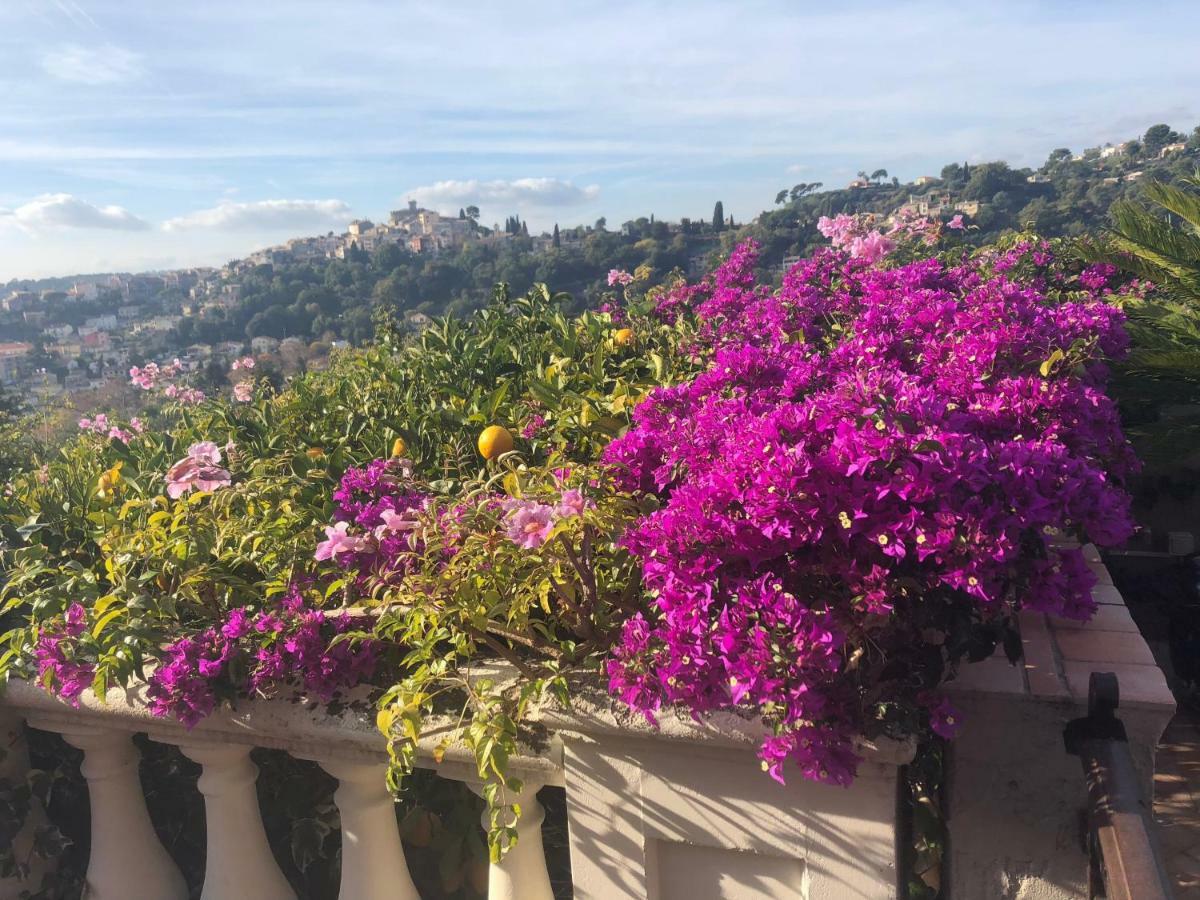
<point x="666" y="820"/>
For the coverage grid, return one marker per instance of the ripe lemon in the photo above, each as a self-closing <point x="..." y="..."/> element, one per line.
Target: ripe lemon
<point x="623" y="337"/>
<point x="495" y="441"/>
<point x="399" y="448"/>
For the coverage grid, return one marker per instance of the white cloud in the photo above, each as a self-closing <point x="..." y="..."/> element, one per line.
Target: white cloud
<point x="106" y="64"/>
<point x="520" y="192"/>
<point x="50" y="212"/>
<point x="262" y="214"/>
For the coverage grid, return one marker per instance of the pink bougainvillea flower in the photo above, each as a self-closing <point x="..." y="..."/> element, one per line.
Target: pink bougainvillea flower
<point x="619" y="276"/>
<point x="944" y="719"/>
<point x="956" y="223"/>
<point x="338" y="540"/>
<point x="246" y="362"/>
<point x="871" y="247"/>
<point x="529" y="524"/>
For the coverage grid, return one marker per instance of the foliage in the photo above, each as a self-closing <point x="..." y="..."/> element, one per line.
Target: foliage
<point x="189" y="541"/>
<point x="1162" y="245"/>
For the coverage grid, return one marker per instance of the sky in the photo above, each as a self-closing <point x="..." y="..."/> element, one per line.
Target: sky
<point x="139" y="134"/>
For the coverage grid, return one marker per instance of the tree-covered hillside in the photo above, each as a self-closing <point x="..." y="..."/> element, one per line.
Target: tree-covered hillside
<point x="1069" y="194"/>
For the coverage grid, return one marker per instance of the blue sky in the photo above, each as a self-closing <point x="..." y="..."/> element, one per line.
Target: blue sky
<point x="138" y="134"/>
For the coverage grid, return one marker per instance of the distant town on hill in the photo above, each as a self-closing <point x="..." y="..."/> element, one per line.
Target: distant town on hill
<point x="291" y="304"/>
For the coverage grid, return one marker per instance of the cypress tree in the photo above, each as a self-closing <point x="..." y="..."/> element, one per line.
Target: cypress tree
<point x="557" y="242"/>
<point x="718" y="219"/>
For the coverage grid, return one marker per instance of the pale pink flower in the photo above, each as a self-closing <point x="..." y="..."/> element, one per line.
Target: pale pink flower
<point x="205" y="453"/>
<point x="338" y="540"/>
<point x="393" y="523"/>
<point x="840" y="229"/>
<point x="571" y="503"/>
<point x="872" y="247"/>
<point x="120" y="434"/>
<point x="530" y="524"/>
<point x="137" y="425"/>
<point x="243" y="391"/>
<point x="189" y="474"/>
<point x="619" y="276"/>
<point x="956" y="223"/>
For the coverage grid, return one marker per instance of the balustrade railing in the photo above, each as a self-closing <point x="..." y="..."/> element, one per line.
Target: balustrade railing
<point x="680" y="812"/>
<point x="128" y="862"/>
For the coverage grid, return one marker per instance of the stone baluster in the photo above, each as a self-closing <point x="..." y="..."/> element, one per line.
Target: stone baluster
<point x="373" y="863"/>
<point x="127" y="862"/>
<point x="522" y="873"/>
<point x="14" y="770"/>
<point x="239" y="862"/>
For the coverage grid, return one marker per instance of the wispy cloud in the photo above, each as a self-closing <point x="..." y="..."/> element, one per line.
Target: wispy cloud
<point x="264" y="214"/>
<point x="519" y="192"/>
<point x="76" y="13"/>
<point x="52" y="212"/>
<point x="106" y="64"/>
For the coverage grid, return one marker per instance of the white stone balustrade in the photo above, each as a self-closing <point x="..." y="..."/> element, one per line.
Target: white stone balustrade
<point x="521" y="874"/>
<point x="239" y="861"/>
<point x="681" y="813"/>
<point x="373" y="864"/>
<point x="127" y="862"/>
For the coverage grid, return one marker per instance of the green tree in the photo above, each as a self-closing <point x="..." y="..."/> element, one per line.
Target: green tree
<point x="1162" y="244"/>
<point x="1157" y="137"/>
<point x="556" y="241"/>
<point x="718" y="217"/>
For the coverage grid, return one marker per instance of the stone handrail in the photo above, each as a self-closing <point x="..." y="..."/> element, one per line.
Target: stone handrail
<point x="1015" y="795"/>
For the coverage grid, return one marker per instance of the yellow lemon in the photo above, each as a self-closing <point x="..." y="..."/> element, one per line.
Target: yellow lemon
<point x="495" y="441"/>
<point x="106" y="487"/>
<point x="623" y="337"/>
<point x="399" y="448"/>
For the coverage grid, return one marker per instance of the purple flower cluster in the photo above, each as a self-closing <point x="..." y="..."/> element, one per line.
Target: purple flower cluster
<point x="258" y="654"/>
<point x="58" y="668"/>
<point x="867" y="447"/>
<point x="375" y="513"/>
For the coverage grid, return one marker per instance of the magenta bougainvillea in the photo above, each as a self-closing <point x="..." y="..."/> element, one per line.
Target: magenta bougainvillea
<point x="259" y="654"/>
<point x="873" y="468"/>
